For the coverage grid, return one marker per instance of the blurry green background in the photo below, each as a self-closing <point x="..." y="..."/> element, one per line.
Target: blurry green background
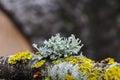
<point x="95" y="22"/>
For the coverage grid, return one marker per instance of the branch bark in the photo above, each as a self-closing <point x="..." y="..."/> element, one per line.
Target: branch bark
<point x="18" y="71"/>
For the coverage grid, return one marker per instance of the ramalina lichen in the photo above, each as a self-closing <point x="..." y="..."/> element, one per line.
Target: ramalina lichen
<point x="58" y="46"/>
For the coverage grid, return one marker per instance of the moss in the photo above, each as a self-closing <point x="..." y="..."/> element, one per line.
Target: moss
<point x="112" y="73"/>
<point x="21" y="56"/>
<point x="39" y="64"/>
<point x="69" y="77"/>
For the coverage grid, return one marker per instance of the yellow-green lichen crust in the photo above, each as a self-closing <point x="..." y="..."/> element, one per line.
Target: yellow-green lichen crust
<point x="21" y="56"/>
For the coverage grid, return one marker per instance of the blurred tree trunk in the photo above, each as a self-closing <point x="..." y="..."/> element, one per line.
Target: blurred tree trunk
<point x="104" y="29"/>
<point x="11" y="40"/>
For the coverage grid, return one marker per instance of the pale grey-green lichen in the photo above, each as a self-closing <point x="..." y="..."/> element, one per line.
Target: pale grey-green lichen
<point x="59" y="71"/>
<point x="58" y="46"/>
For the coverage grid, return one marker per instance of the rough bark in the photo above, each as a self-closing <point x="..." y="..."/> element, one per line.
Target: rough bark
<point x="19" y="71"/>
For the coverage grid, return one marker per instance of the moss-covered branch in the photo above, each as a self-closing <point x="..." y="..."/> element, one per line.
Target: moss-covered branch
<point x="18" y="66"/>
<point x="58" y="59"/>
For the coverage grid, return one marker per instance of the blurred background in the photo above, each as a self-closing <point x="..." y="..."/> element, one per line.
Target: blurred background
<point x="95" y="22"/>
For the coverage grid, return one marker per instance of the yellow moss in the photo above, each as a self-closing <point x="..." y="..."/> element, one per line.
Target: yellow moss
<point x="85" y="60"/>
<point x="85" y="68"/>
<point x="112" y="73"/>
<point x="47" y="78"/>
<point x="58" y="61"/>
<point x="69" y="58"/>
<point x="69" y="77"/>
<point x="21" y="56"/>
<point x="38" y="54"/>
<point x="75" y="60"/>
<point x="95" y="74"/>
<point x="39" y="64"/>
<point x="109" y="61"/>
<point x="72" y="59"/>
<point x="85" y="63"/>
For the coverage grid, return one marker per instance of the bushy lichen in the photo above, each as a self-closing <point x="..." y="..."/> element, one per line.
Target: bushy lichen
<point x="59" y="71"/>
<point x="58" y="46"/>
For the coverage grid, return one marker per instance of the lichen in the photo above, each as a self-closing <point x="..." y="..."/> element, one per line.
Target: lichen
<point x="21" y="56"/>
<point x="39" y="64"/>
<point x="95" y="73"/>
<point x="108" y="61"/>
<point x="58" y="46"/>
<point x="112" y="73"/>
<point x="75" y="60"/>
<point x="69" y="77"/>
<point x="61" y="61"/>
